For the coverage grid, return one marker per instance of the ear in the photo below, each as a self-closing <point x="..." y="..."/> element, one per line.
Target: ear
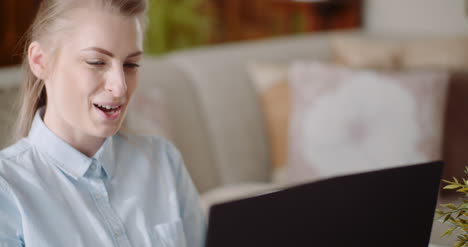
<point x="36" y="59"/>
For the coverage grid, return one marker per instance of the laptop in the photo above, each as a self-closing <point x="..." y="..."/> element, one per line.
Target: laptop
<point x="391" y="207"/>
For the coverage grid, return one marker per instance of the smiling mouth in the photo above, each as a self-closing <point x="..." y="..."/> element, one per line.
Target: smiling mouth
<point x="108" y="109"/>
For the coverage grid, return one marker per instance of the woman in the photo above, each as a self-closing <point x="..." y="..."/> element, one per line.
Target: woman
<point x="72" y="179"/>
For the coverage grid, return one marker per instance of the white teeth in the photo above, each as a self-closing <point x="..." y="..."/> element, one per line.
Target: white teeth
<point x="108" y="107"/>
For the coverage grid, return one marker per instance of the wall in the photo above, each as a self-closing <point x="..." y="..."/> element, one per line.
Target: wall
<point x="434" y="17"/>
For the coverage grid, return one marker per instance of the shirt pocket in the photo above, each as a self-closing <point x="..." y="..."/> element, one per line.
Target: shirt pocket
<point x="169" y="234"/>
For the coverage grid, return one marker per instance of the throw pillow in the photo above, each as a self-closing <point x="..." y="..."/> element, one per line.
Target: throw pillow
<point x="346" y="121"/>
<point x="271" y="83"/>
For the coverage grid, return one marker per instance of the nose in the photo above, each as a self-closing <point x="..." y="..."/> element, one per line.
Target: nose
<point x="116" y="83"/>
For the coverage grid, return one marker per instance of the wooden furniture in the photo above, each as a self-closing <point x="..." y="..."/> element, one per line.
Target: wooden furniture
<point x="234" y="20"/>
<point x="15" y="18"/>
<point x="316" y="15"/>
<point x="252" y="19"/>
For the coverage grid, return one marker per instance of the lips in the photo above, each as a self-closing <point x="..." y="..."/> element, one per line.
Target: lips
<point x="108" y="111"/>
<point x="108" y="108"/>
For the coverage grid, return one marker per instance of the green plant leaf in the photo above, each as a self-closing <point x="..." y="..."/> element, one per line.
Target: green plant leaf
<point x="450" y="206"/>
<point x="447" y="181"/>
<point x="439" y="212"/>
<point x="462" y="189"/>
<point x="456" y="216"/>
<point x="447" y="217"/>
<point x="452" y="186"/>
<point x="448" y="232"/>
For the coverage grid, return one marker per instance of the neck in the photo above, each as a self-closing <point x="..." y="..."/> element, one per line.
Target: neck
<point x="86" y="144"/>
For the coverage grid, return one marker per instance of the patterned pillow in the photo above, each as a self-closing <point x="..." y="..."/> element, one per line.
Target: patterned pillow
<point x="347" y="121"/>
<point x="271" y="83"/>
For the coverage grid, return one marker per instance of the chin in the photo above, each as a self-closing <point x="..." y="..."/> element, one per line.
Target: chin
<point x="107" y="131"/>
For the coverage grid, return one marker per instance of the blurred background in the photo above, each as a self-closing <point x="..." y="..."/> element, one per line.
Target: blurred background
<point x="264" y="93"/>
<point x="179" y="24"/>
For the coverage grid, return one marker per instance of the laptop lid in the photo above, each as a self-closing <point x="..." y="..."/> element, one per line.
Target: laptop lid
<point x="392" y="207"/>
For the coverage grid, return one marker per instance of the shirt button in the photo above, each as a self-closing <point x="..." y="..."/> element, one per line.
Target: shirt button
<point x="99" y="196"/>
<point x="93" y="167"/>
<point x="117" y="232"/>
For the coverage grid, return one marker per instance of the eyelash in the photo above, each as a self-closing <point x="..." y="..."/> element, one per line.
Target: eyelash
<point x="97" y="63"/>
<point x="128" y="65"/>
<point x="132" y="65"/>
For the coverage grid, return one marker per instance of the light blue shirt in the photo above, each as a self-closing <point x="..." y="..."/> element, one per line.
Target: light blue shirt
<point x="135" y="191"/>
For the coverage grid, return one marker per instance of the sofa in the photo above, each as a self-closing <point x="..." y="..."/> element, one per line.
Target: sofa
<point x="209" y="107"/>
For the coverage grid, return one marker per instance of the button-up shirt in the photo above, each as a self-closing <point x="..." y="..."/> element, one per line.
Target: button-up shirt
<point x="135" y="191"/>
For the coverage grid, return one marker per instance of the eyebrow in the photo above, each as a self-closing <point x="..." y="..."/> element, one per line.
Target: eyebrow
<point x="108" y="53"/>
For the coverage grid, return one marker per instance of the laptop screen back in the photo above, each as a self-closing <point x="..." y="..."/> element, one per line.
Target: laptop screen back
<point x="392" y="207"/>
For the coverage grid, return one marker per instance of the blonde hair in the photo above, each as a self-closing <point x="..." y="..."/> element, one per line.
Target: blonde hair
<point x="47" y="24"/>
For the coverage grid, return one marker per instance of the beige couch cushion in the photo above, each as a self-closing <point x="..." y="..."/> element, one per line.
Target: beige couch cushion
<point x="230" y="107"/>
<point x="187" y="126"/>
<point x="8" y="97"/>
<point x="147" y="112"/>
<point x="378" y="52"/>
<point x="366" y="52"/>
<point x="447" y="53"/>
<point x="10" y="79"/>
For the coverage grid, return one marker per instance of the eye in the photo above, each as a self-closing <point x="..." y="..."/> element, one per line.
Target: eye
<point x="131" y="65"/>
<point x="95" y="63"/>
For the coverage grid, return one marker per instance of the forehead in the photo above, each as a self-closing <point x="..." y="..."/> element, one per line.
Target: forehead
<point x="107" y="30"/>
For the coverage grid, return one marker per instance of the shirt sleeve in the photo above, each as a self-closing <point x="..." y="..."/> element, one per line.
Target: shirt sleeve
<point x="10" y="220"/>
<point x="193" y="217"/>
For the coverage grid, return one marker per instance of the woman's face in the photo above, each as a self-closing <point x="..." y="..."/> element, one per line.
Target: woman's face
<point x="94" y="76"/>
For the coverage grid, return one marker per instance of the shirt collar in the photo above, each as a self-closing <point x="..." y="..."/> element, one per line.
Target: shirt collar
<point x="68" y="159"/>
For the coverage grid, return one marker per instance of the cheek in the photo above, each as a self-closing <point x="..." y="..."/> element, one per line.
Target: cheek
<point x="64" y="89"/>
<point x="77" y="86"/>
<point x="87" y="81"/>
<point x="132" y="83"/>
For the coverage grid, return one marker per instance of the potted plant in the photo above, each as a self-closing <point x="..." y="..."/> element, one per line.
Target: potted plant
<point x="176" y="24"/>
<point x="456" y="215"/>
